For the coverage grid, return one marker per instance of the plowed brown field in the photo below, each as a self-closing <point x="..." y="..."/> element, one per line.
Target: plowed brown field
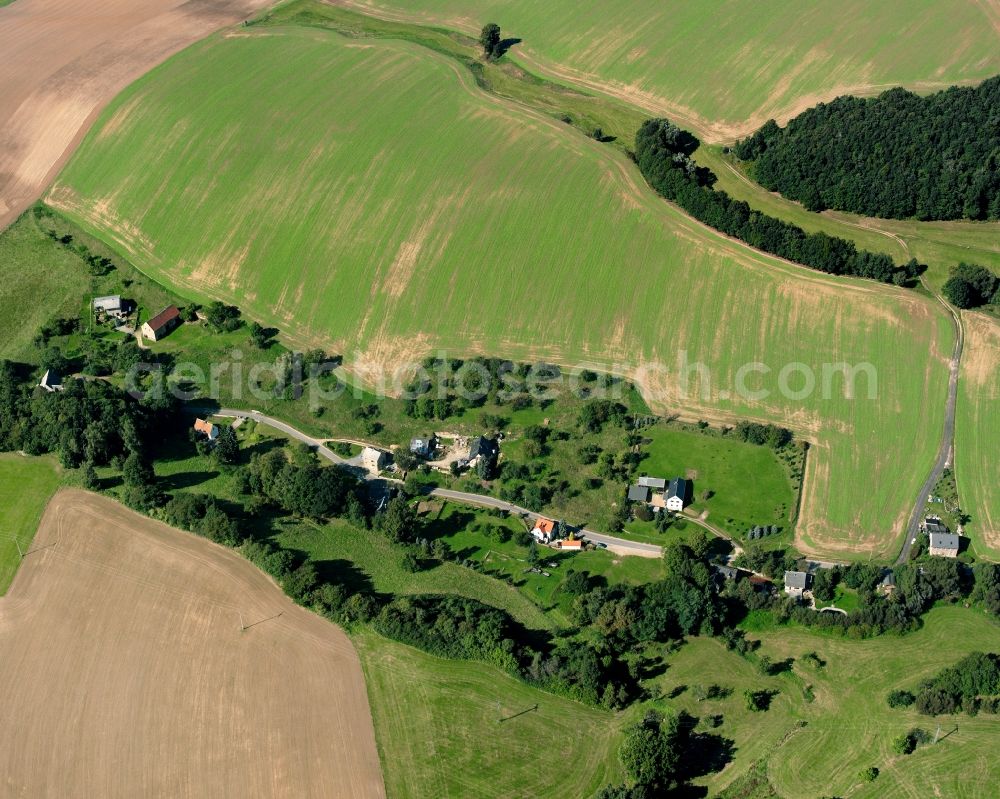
<point x="125" y="672"/>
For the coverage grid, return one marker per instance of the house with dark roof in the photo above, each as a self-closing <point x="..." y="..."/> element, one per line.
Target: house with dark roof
<point x="161" y="324"/>
<point x="945" y="545"/>
<point x="51" y="381"/>
<point x="639" y="493"/>
<point x="678" y="494"/>
<point x="797" y="583"/>
<point x="932" y="524"/>
<point x="483" y="448"/>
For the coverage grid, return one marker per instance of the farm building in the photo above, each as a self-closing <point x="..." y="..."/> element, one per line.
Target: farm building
<point x="373" y="460"/>
<point x="678" y="494"/>
<point x="571" y="543"/>
<point x="51" y="381"/>
<point x="484" y="448"/>
<point x="653" y="482"/>
<point x="944" y="545"/>
<point x="638" y="493"/>
<point x="206" y="428"/>
<point x="423" y="447"/>
<point x="544" y="530"/>
<point x="932" y="524"/>
<point x="797" y="583"/>
<point x="161" y="324"/>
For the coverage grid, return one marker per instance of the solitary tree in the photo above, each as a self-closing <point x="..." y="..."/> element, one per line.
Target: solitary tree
<point x="227" y="446"/>
<point x="490" y="40"/>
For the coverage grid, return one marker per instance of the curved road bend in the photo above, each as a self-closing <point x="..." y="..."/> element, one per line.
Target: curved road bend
<point x="619" y="545"/>
<point x="947" y="435"/>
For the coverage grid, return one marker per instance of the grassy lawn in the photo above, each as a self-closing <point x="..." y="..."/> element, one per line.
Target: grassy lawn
<point x="26" y="484"/>
<point x="215" y="231"/>
<point x="740" y="485"/>
<point x="438" y="730"/>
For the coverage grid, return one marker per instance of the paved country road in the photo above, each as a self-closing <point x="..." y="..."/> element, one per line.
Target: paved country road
<point x="621" y="546"/>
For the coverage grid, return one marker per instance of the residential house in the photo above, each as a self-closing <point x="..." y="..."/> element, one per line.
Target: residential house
<point x="207" y="429"/>
<point x="112" y="305"/>
<point x="544" y="530"/>
<point x="51" y="381"/>
<point x="423" y="447"/>
<point x="373" y="460"/>
<point x="638" y="493"/>
<point x="761" y="584"/>
<point x="944" y="545"/>
<point x="797" y="583"/>
<point x="161" y="324"/>
<point x="483" y="448"/>
<point x="888" y="583"/>
<point x="932" y="524"/>
<point x="678" y="494"/>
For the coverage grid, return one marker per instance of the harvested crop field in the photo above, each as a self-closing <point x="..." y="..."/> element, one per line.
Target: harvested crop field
<point x="977" y="432"/>
<point x="63" y="61"/>
<point x="281" y="185"/>
<point x="125" y="671"/>
<point x="723" y="67"/>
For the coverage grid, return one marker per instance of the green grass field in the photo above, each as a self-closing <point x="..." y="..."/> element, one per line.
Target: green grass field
<point x="848" y="724"/>
<point x="26" y="484"/>
<point x="464" y="244"/>
<point x="438" y="730"/>
<point x="724" y="67"/>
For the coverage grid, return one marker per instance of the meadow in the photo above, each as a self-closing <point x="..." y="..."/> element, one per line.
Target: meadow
<point x="26" y="484"/>
<point x="826" y="723"/>
<point x="494" y="233"/>
<point x="722" y="68"/>
<point x="438" y="728"/>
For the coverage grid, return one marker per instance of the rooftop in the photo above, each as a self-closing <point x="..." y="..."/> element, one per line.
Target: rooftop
<point x="164" y="317"/>
<point x="638" y="493"/>
<point x="652" y="482"/>
<point x="944" y="541"/>
<point x="797" y="580"/>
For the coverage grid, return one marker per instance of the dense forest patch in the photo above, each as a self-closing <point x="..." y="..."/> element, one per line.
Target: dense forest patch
<point x="896" y="156"/>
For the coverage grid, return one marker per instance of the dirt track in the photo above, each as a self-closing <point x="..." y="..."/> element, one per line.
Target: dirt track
<point x="64" y="60"/>
<point x="125" y="672"/>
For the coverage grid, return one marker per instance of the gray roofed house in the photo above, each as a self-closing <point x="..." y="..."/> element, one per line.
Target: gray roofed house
<point x="638" y="493"/>
<point x="944" y="545"/>
<point x="51" y="380"/>
<point x="653" y="482"/>
<point x="483" y="447"/>
<point x="796" y="582"/>
<point x="678" y="493"/>
<point x="727" y="572"/>
<point x="111" y="304"/>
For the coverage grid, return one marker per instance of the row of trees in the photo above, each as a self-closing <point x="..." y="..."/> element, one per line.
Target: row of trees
<point x="897" y="155"/>
<point x="663" y="153"/>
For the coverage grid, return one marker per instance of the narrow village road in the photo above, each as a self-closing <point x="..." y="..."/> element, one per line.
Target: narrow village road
<point x="621" y="546"/>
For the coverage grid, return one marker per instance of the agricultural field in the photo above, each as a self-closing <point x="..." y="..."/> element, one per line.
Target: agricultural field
<point x="847" y="724"/>
<point x="722" y="68"/>
<point x="63" y="67"/>
<point x="133" y="631"/>
<point x="977" y="431"/>
<point x="439" y="730"/>
<point x="25" y="487"/>
<point x="478" y="244"/>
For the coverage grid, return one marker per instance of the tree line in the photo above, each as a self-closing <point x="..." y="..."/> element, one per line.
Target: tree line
<point x="663" y="154"/>
<point x="896" y="156"/>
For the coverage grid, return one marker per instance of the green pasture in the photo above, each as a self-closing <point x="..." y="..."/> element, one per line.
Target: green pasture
<point x="488" y="229"/>
<point x="724" y="67"/>
<point x="26" y="485"/>
<point x="848" y="726"/>
<point x="439" y="730"/>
